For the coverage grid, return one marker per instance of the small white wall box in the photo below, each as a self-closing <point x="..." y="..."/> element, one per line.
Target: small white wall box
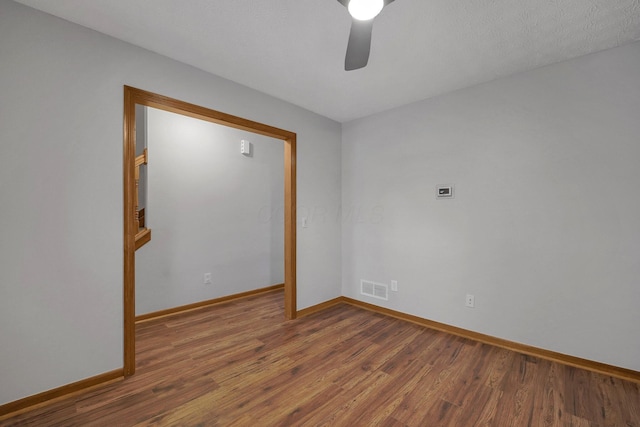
<point x="444" y="192"/>
<point x="245" y="147"/>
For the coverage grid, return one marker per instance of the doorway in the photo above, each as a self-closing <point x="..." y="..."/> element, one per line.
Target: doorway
<point x="132" y="231"/>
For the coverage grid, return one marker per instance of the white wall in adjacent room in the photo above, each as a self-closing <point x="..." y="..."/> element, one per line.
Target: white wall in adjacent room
<point x="544" y="229"/>
<point x="61" y="196"/>
<point x="211" y="210"/>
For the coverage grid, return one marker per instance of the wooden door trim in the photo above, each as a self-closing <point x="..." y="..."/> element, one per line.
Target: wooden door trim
<point x="133" y="96"/>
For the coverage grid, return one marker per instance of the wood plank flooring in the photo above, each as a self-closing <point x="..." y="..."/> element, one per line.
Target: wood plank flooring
<point x="240" y="363"/>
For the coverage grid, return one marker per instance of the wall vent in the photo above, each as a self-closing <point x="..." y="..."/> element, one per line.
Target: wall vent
<point x="375" y="290"/>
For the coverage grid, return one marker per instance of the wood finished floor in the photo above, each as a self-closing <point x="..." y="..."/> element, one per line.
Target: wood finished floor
<point x="240" y="364"/>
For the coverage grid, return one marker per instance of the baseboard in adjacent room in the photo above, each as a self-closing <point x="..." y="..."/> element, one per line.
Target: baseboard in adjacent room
<point x="202" y="304"/>
<point x="319" y="307"/>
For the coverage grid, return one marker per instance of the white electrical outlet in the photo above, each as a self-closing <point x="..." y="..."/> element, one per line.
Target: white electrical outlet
<point x="470" y="301"/>
<point x="394" y="285"/>
<point x="207" y="279"/>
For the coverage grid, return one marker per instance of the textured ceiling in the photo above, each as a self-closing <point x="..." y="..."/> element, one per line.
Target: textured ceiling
<point x="294" y="49"/>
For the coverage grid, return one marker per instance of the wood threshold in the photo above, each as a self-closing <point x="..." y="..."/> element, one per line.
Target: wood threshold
<point x="31" y="402"/>
<point x="202" y="304"/>
<point x="565" y="359"/>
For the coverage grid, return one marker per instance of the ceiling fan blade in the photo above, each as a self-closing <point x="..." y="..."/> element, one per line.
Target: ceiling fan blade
<point x="359" y="45"/>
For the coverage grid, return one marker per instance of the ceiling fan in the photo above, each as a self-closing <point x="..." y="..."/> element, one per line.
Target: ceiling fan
<point x="362" y="14"/>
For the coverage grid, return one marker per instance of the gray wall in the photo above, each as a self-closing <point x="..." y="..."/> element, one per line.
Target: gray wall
<point x="544" y="228"/>
<point x="211" y="210"/>
<point x="61" y="191"/>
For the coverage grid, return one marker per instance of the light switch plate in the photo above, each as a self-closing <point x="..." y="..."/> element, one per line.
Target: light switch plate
<point x="245" y="147"/>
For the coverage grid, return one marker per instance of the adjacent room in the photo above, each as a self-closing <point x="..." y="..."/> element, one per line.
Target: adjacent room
<point x="210" y="207"/>
<point x="423" y="215"/>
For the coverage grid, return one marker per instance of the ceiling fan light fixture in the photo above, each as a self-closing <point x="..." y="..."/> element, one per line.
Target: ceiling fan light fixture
<point x="364" y="10"/>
